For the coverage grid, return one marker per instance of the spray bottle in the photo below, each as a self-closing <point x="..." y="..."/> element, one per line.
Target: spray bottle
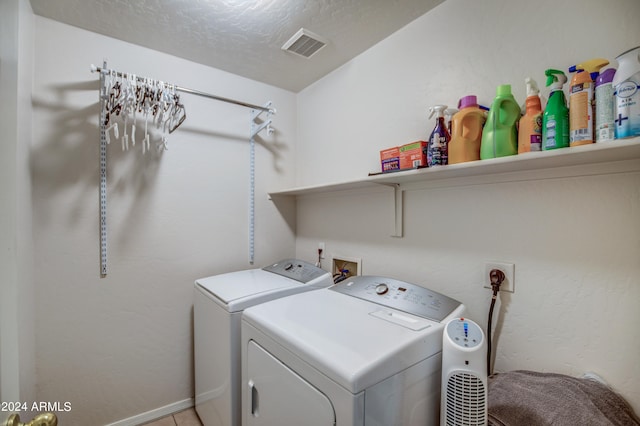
<point x="555" y="120"/>
<point x="530" y="131"/>
<point x="581" y="101"/>
<point x="448" y="118"/>
<point x="605" y="106"/>
<point x="438" y="146"/>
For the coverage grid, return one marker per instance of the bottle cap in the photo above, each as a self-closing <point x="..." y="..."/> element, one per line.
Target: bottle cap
<point x="605" y="76"/>
<point x="532" y="87"/>
<point x="555" y="78"/>
<point x="628" y="63"/>
<point x="592" y="66"/>
<point x="629" y="51"/>
<point x="468" y="101"/>
<point x="437" y="109"/>
<point x="503" y="89"/>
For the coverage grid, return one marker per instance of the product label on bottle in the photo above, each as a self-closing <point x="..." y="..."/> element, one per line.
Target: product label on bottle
<point x="605" y="107"/>
<point x="580" y="113"/>
<point x="536" y="137"/>
<point x="437" y="152"/>
<point x="627" y="115"/>
<point x="536" y="142"/>
<point x="550" y="136"/>
<point x="537" y="124"/>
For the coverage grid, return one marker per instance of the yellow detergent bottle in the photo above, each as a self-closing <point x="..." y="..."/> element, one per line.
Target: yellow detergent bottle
<point x="466" y="131"/>
<point x="582" y="101"/>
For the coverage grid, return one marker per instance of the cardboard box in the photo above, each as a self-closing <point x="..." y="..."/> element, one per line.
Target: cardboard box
<point x="413" y="155"/>
<point x="390" y="159"/>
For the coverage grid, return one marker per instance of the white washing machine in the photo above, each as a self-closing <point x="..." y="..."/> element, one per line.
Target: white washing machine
<point x="218" y="304"/>
<point x="364" y="352"/>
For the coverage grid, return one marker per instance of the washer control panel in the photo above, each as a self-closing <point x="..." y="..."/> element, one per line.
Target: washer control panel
<point x="399" y="295"/>
<point x="295" y="269"/>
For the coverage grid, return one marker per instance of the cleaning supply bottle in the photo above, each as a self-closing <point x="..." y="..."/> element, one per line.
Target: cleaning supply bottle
<point x="530" y="129"/>
<point x="466" y="131"/>
<point x="437" y="148"/>
<point x="626" y="84"/>
<point x="500" y="135"/>
<point x="605" y="106"/>
<point x="581" y="101"/>
<point x="555" y="120"/>
<point x="448" y="117"/>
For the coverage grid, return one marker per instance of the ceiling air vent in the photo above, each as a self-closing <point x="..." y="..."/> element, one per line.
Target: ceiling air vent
<point x="304" y="43"/>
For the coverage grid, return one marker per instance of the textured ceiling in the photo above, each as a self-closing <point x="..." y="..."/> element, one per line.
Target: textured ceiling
<point x="244" y="37"/>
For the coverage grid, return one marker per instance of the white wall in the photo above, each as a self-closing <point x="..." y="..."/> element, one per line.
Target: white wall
<point x="24" y="224"/>
<point x="9" y="353"/>
<point x="17" y="340"/>
<point x="575" y="241"/>
<point x="118" y="346"/>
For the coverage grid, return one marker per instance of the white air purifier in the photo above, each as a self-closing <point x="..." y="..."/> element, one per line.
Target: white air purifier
<point x="464" y="375"/>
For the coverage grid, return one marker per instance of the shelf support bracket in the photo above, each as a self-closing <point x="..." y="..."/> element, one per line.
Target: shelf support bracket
<point x="398" y="195"/>
<point x="398" y="209"/>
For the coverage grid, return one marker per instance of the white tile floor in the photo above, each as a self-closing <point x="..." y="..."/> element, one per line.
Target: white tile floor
<point x="183" y="418"/>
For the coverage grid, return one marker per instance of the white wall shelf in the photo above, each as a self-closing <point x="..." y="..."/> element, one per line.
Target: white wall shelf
<point x="617" y="156"/>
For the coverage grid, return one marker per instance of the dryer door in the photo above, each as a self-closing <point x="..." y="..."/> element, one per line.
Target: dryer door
<point x="278" y="396"/>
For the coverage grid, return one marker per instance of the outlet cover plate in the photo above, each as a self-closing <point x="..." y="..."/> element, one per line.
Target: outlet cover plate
<point x="509" y="270"/>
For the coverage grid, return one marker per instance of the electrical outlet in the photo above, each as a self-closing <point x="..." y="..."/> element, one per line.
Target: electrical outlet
<point x="509" y="270"/>
<point x="352" y="264"/>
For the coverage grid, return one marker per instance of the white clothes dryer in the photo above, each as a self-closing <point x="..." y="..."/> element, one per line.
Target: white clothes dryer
<point x="364" y="352"/>
<point x="218" y="304"/>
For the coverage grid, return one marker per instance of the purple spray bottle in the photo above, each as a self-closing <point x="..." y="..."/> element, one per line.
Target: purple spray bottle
<point x="438" y="146"/>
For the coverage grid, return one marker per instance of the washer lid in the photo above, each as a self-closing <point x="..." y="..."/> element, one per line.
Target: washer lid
<point x="354" y="342"/>
<point x="235" y="291"/>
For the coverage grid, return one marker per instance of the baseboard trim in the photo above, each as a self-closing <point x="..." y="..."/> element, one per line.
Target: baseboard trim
<point x="148" y="416"/>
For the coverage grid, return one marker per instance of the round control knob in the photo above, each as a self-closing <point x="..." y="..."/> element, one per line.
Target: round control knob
<point x="381" y="289"/>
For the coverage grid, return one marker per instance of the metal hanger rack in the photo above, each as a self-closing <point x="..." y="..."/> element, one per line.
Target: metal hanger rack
<point x="105" y="71"/>
<point x="256" y="128"/>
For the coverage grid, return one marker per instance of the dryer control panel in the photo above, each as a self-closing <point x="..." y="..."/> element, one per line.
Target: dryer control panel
<point x="295" y="269"/>
<point x="400" y="295"/>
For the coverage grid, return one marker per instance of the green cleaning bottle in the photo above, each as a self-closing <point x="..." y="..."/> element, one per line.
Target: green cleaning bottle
<point x="500" y="135"/>
<point x="555" y="120"/>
